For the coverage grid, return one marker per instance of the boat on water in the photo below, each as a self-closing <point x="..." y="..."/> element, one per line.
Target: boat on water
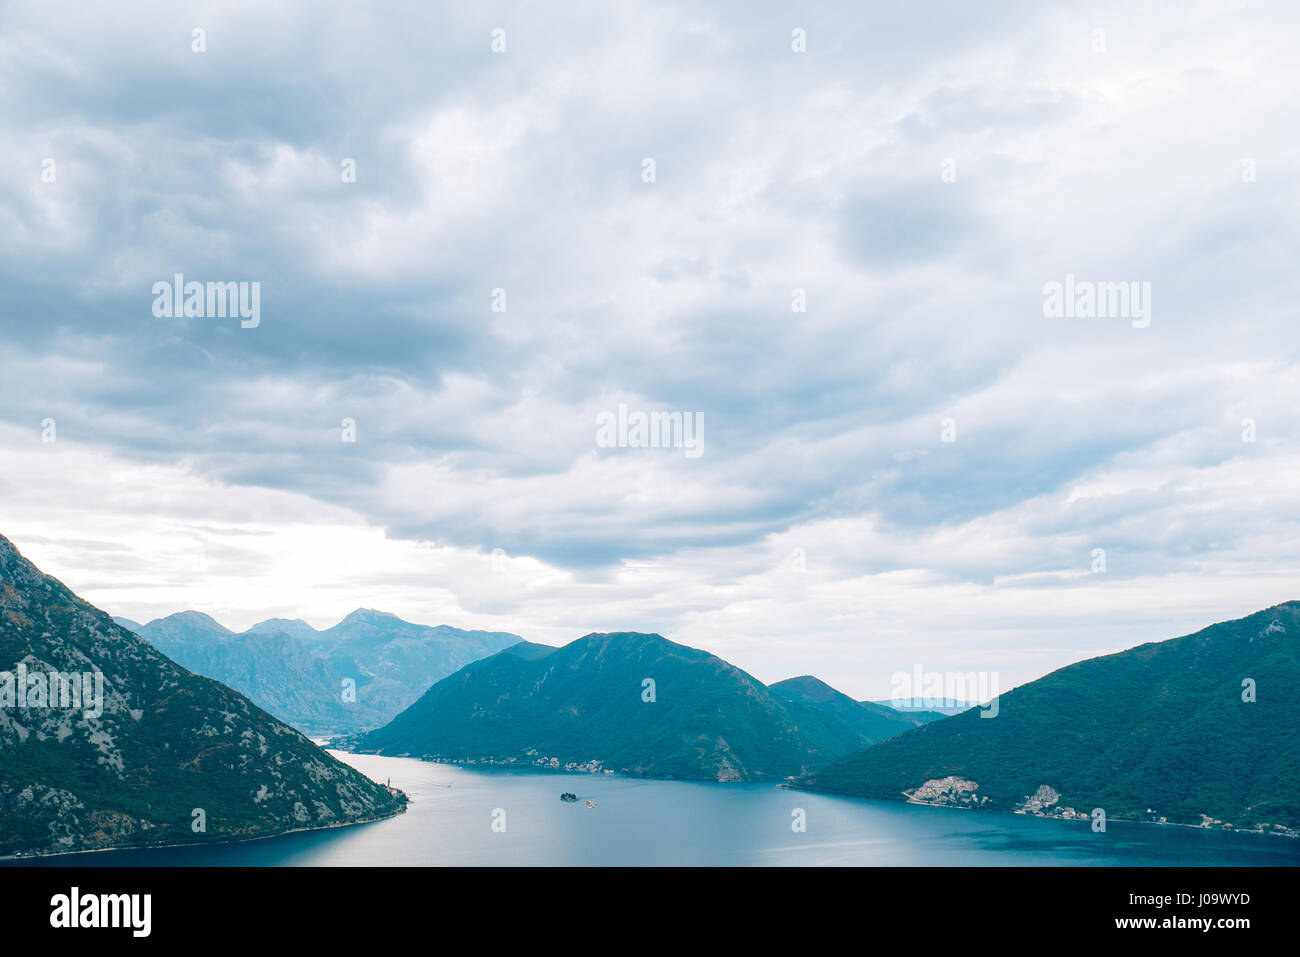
<point x="591" y="804"/>
<point x="568" y="798"/>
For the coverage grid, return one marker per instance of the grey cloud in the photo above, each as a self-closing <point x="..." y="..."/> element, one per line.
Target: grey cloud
<point x="775" y="172"/>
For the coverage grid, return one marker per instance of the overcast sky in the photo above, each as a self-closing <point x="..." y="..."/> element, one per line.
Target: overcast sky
<point x="920" y="171"/>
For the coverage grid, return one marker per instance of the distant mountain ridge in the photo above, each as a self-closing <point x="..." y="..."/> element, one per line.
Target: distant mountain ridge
<point x="298" y="673"/>
<point x="872" y="721"/>
<point x="294" y="628"/>
<point x="632" y="702"/>
<point x="172" y="757"/>
<point x="1160" y="731"/>
<point x="934" y="707"/>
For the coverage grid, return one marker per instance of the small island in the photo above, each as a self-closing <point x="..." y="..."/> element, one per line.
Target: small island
<point x="568" y="797"/>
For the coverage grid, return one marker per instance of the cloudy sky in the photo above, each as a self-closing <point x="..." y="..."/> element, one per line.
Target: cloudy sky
<point x="919" y="172"/>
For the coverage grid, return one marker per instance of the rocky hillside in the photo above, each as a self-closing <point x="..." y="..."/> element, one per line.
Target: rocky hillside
<point x="170" y="757"/>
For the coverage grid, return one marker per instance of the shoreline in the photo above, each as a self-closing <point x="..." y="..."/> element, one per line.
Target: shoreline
<point x="492" y="764"/>
<point x="1044" y="817"/>
<point x="513" y="767"/>
<point x="504" y="766"/>
<point x="227" y="842"/>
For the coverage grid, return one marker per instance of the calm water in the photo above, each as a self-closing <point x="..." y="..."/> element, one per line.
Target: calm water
<point x="668" y="822"/>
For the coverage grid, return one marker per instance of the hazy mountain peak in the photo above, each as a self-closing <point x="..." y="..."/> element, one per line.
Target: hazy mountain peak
<point x="370" y="616"/>
<point x="294" y="627"/>
<point x="271" y="623"/>
<point x="194" y="619"/>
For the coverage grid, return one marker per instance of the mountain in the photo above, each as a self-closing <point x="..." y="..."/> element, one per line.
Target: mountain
<point x="294" y="628"/>
<point x="298" y="673"/>
<point x="277" y="671"/>
<point x="393" y="661"/>
<point x="184" y="628"/>
<point x="1157" y="731"/>
<point x="586" y="702"/>
<point x="529" y="650"/>
<point x="871" y="721"/>
<point x="158" y="748"/>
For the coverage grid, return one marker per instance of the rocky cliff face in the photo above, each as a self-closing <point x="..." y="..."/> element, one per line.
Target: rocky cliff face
<point x="151" y="753"/>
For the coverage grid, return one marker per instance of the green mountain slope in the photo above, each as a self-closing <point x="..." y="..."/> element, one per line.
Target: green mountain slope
<point x="1162" y="727"/>
<point x="584" y="702"/>
<point x="167" y="742"/>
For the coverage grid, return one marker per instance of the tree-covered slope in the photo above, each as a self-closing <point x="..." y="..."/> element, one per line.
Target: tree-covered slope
<point x="1162" y="727"/>
<point x="708" y="720"/>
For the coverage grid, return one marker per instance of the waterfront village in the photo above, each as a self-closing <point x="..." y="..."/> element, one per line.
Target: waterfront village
<point x="531" y="758"/>
<point x="954" y="791"/>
